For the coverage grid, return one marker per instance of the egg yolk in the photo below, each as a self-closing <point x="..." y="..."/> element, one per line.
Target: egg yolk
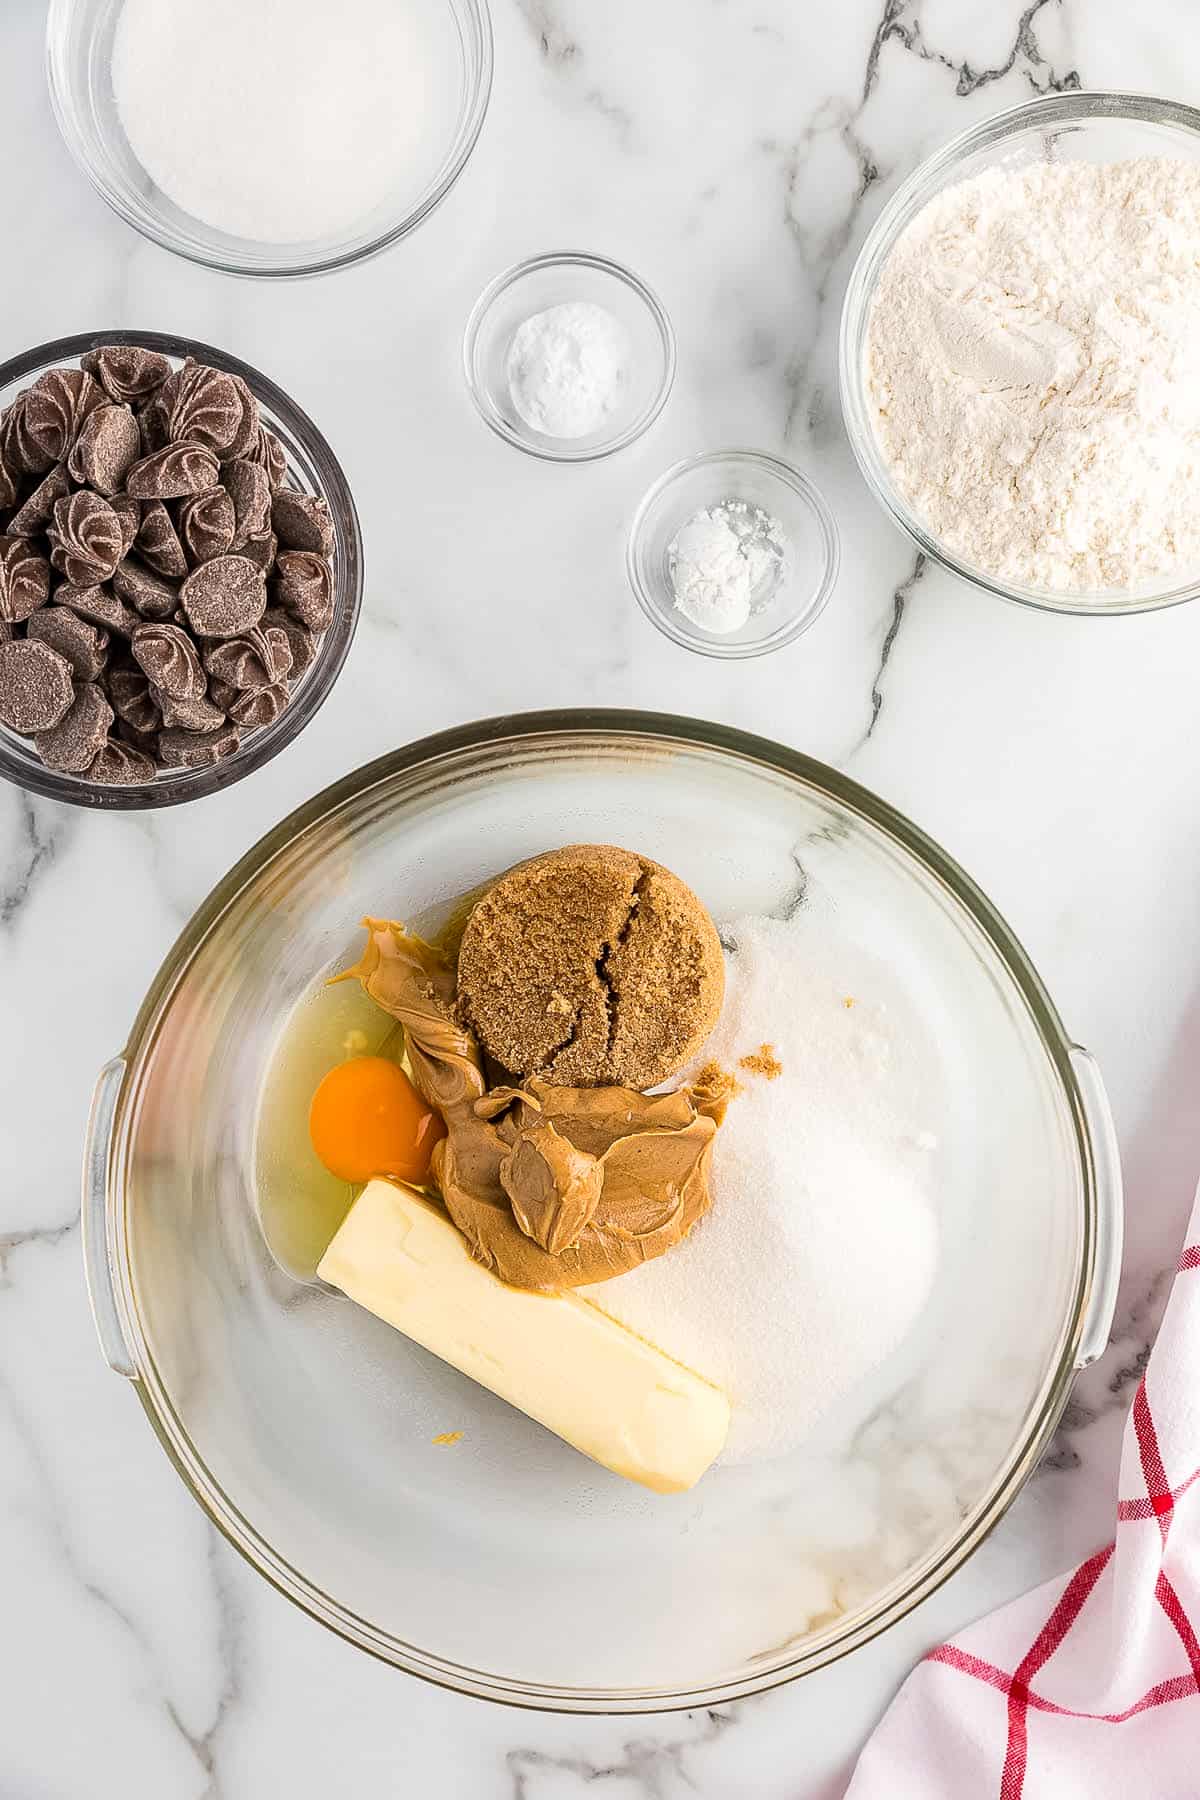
<point x="367" y="1118"/>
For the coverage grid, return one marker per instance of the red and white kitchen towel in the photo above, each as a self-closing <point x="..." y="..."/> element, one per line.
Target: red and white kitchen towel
<point x="1088" y="1688"/>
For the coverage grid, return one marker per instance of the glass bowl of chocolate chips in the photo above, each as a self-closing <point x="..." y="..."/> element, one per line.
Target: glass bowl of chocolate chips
<point x="180" y="569"/>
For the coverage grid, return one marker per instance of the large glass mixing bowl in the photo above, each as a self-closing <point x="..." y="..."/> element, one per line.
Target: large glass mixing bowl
<point x="510" y="1567"/>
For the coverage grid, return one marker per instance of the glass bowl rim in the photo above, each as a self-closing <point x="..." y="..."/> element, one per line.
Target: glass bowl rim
<point x="150" y="227"/>
<point x="613" y="726"/>
<point x="197" y="784"/>
<point x="827" y="529"/>
<point x="571" y="259"/>
<point x="1062" y="110"/>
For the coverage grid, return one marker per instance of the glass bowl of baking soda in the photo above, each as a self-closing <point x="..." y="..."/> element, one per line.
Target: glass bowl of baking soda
<point x="568" y="356"/>
<point x="732" y="553"/>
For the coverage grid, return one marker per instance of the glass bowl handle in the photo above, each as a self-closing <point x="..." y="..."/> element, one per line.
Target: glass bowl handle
<point x="1110" y="1208"/>
<point x="97" y="1263"/>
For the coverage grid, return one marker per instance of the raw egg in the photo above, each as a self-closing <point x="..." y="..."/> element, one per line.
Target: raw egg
<point x="367" y="1118"/>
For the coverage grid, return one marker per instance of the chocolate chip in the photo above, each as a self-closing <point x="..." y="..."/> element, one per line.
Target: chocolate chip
<point x="73" y="742"/>
<point x="206" y="524"/>
<point x="117" y="764"/>
<point x="36" y="688"/>
<point x="84" y="645"/>
<point x="202" y="406"/>
<point x="55" y="409"/>
<point x="224" y="597"/>
<point x="302" y="522"/>
<point x="303" y="584"/>
<point x="172" y="472"/>
<point x="35" y="513"/>
<point x="145" y="741"/>
<point x="18" y="450"/>
<point x="126" y="371"/>
<point x="261" y="550"/>
<point x="129" y="511"/>
<point x="257" y="658"/>
<point x="106" y="449"/>
<point x="249" y="424"/>
<point x="268" y="451"/>
<point x="199" y="714"/>
<point x="152" y="426"/>
<point x="185" y="585"/>
<point x="247" y="486"/>
<point x="259" y="706"/>
<point x="196" y="749"/>
<point x="158" y="541"/>
<point x="301" y="641"/>
<point x="135" y="705"/>
<point x="9" y="486"/>
<point x="168" y="656"/>
<point x="100" y="605"/>
<point x="147" y="593"/>
<point x="24" y="579"/>
<point x="86" y="539"/>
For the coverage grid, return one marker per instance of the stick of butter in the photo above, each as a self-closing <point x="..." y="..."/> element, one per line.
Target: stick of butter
<point x="555" y="1356"/>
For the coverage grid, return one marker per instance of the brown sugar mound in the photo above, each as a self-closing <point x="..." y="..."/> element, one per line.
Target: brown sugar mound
<point x="590" y="966"/>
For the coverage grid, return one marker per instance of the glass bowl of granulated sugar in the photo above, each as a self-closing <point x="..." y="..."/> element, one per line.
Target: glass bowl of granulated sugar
<point x="266" y="151"/>
<point x="1020" y="357"/>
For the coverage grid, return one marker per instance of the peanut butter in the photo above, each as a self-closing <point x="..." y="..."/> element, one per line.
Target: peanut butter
<point x="551" y="1187"/>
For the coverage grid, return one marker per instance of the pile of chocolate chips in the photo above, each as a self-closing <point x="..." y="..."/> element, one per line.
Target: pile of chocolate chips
<point x="161" y="590"/>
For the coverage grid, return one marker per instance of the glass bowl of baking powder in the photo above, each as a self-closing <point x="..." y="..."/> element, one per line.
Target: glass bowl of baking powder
<point x="947" y="409"/>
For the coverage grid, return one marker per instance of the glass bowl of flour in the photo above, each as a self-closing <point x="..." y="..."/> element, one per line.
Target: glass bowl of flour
<point x="270" y="140"/>
<point x="913" y="1241"/>
<point x="1020" y="354"/>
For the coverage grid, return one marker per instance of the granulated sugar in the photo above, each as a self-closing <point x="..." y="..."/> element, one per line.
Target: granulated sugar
<point x="819" y="1252"/>
<point x="280" y="120"/>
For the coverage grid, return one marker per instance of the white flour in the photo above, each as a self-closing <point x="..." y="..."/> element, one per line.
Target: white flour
<point x="819" y="1252"/>
<point x="1033" y="359"/>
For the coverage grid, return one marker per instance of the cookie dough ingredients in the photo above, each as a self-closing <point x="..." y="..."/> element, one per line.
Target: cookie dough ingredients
<point x="555" y="1357"/>
<point x="135" y="573"/>
<point x="1033" y="368"/>
<point x="279" y="120"/>
<point x="590" y="965"/>
<point x="725" y="564"/>
<point x="818" y="1254"/>
<point x="367" y="1118"/>
<point x="549" y="1186"/>
<point x="568" y="369"/>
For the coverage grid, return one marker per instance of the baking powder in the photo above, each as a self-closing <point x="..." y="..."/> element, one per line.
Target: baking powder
<point x="568" y="369"/>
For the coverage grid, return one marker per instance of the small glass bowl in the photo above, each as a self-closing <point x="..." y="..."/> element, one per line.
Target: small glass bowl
<point x="1090" y="127"/>
<point x="313" y="469"/>
<point x="809" y="570"/>
<point x="544" y="281"/>
<point x="79" y="42"/>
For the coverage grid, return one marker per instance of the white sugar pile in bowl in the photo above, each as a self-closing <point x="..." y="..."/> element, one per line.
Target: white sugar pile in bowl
<point x="819" y="1253"/>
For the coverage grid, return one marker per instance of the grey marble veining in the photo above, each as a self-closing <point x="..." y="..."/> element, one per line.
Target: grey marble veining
<point x="735" y="154"/>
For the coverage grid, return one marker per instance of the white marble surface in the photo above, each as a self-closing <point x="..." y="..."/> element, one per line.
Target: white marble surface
<point x="734" y="152"/>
